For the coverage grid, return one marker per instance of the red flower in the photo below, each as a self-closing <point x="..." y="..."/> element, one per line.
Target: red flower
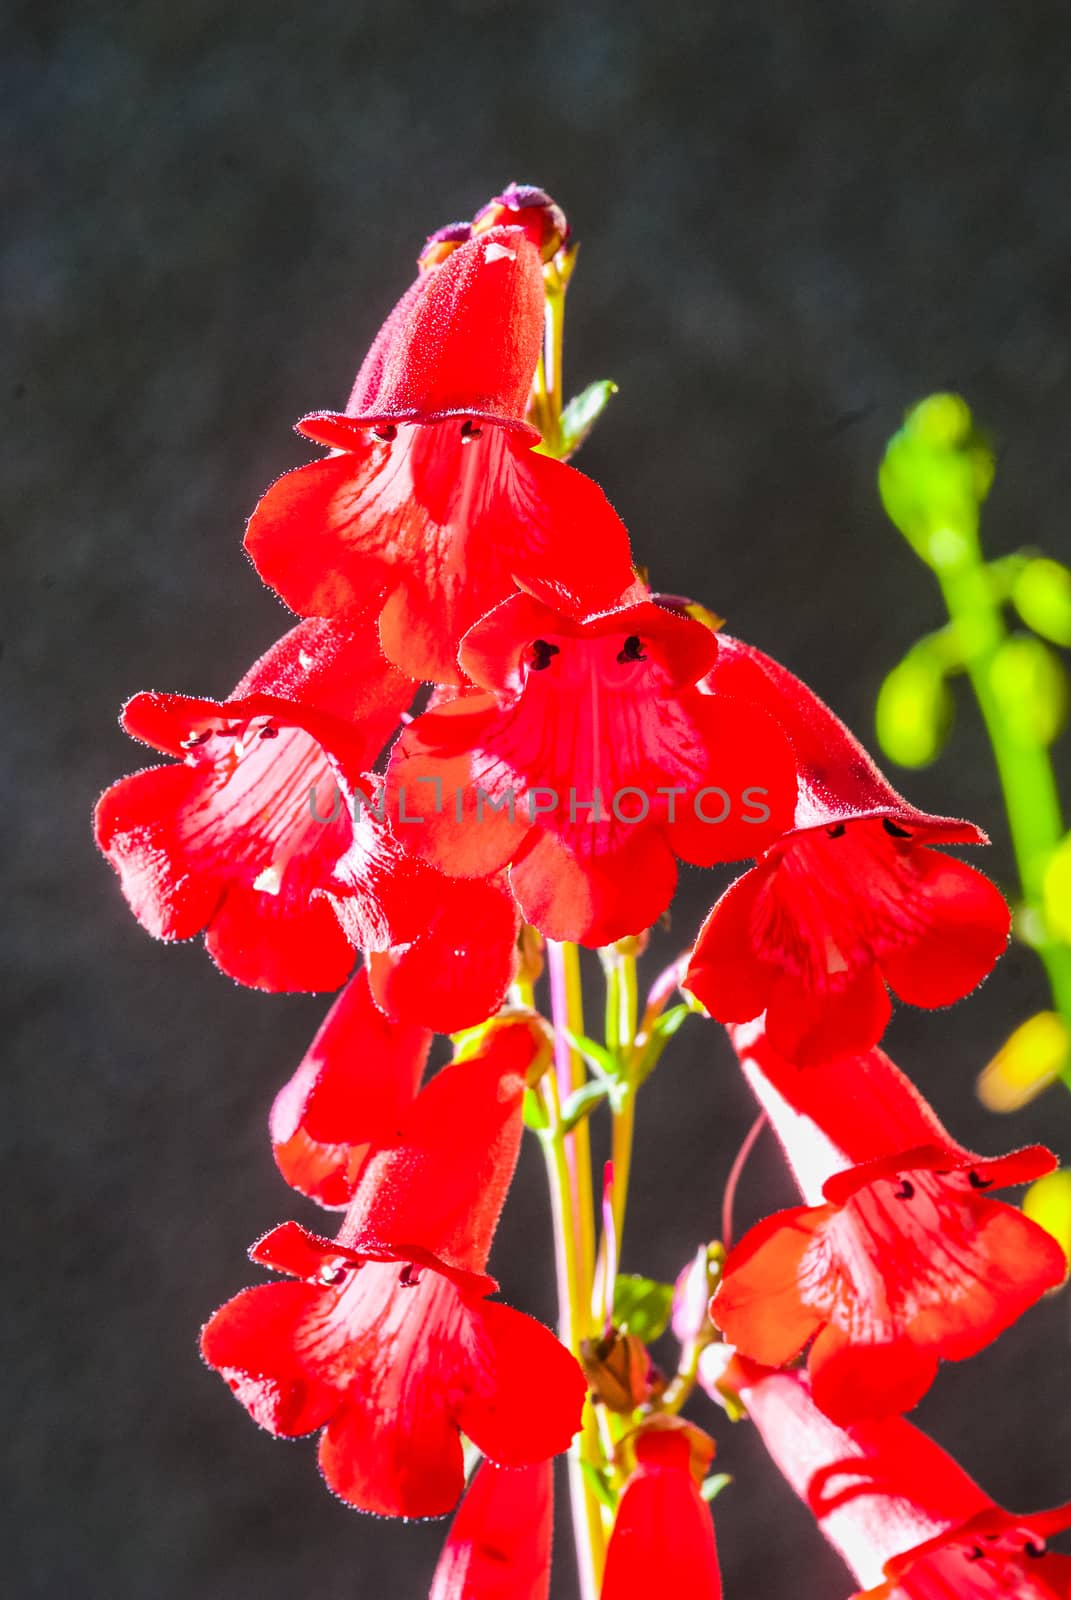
<point x="663" y="1538"/>
<point x="907" y="1262"/>
<point x="904" y="1516"/>
<point x="499" y="1544"/>
<point x="850" y="900"/>
<point x="441" y="952"/>
<point x="433" y="489"/>
<point x="388" y="1343"/>
<point x="589" y="762"/>
<point x="359" y="1075"/>
<point x="229" y="841"/>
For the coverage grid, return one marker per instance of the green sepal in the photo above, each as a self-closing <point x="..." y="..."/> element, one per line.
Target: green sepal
<point x="535" y="1116"/>
<point x="599" y="1485"/>
<point x="711" y="1487"/>
<point x="662" y="1031"/>
<point x="582" y="1101"/>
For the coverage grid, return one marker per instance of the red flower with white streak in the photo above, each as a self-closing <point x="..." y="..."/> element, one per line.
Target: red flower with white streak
<point x="499" y="1545"/>
<point x="228" y="841"/>
<point x="387" y="1342"/>
<point x="852" y="899"/>
<point x="588" y="760"/>
<point x="907" y="1260"/>
<point x="663" y="1538"/>
<point x="904" y="1516"/>
<point x="432" y="489"/>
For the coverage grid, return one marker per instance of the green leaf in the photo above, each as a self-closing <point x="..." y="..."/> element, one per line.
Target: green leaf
<point x="582" y="1101"/>
<point x="661" y="1033"/>
<point x="535" y="1117"/>
<point x="582" y="413"/>
<point x="599" y="1484"/>
<point x="711" y="1487"/>
<point x="642" y="1306"/>
<point x="602" y="1062"/>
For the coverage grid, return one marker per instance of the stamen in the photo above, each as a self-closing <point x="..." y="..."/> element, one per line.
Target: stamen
<point x="906" y="1190"/>
<point x="633" y="650"/>
<point x="893" y="831"/>
<point x="542" y="654"/>
<point x="469" y="431"/>
<point x="976" y="1181"/>
<point x="1033" y="1549"/>
<point x="268" y="732"/>
<point x="410" y="1276"/>
<point x="837" y="831"/>
<point x="387" y="433"/>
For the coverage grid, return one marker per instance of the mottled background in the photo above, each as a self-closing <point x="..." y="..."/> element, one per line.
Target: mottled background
<point x="796" y="219"/>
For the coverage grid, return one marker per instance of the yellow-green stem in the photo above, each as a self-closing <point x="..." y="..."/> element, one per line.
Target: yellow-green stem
<point x="1031" y="796"/>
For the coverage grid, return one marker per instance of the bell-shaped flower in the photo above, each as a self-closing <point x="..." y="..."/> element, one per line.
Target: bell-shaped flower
<point x="851" y="902"/>
<point x="387" y="1341"/>
<point x="663" y="1535"/>
<point x="587" y="760"/>
<point x="236" y="836"/>
<point x="499" y="1543"/>
<point x="432" y="491"/>
<point x="906" y="1519"/>
<point x="901" y="1257"/>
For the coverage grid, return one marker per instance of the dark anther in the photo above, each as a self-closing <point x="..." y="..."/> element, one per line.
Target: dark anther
<point x="268" y="732"/>
<point x="410" y="1276"/>
<point x="837" y="831"/>
<point x="893" y="831"/>
<point x="906" y="1190"/>
<point x="386" y="433"/>
<point x="469" y="430"/>
<point x="976" y="1181"/>
<point x="542" y="654"/>
<point x="633" y="650"/>
<point x="977" y="1554"/>
<point x="196" y="739"/>
<point x="1030" y="1548"/>
<point x="333" y="1272"/>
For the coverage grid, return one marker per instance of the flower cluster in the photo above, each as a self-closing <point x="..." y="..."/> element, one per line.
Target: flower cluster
<point x="486" y="731"/>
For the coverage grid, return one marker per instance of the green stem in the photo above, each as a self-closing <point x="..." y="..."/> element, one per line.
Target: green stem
<point x="1031" y="796"/>
<point x="622" y="1010"/>
<point x="568" y="1161"/>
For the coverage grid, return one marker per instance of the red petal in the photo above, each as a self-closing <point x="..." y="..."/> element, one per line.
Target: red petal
<point x="751" y="778"/>
<point x="599" y="898"/>
<point x="838" y="779"/>
<point x="959" y="927"/>
<point x="357" y="1078"/>
<point x="663" y="1539"/>
<point x="254" y="1343"/>
<point x="456" y="522"/>
<point x="464" y="341"/>
<point x="404" y="1463"/>
<point x="499" y="1544"/>
<point x="280" y="942"/>
<point x="527" y="1396"/>
<point x="845" y="1017"/>
<point x="853" y="1381"/>
<point x="139" y="827"/>
<point x="442" y="1184"/>
<point x="726" y="972"/>
<point x="758" y="1305"/>
<point x="460" y="971"/>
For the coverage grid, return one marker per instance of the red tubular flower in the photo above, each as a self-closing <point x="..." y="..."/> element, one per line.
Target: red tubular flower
<point x="394" y="1364"/>
<point x="851" y="899"/>
<point x="589" y="762"/>
<point x="663" y="1538"/>
<point x="432" y="489"/>
<point x="359" y="1075"/>
<point x="230" y="841"/>
<point x="441" y="952"/>
<point x="907" y="1260"/>
<point x="903" y="1515"/>
<point x="500" y="1541"/>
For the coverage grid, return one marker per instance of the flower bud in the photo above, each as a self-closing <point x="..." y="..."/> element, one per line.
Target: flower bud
<point x="1042" y="597"/>
<point x="522" y="205"/>
<point x="936" y="473"/>
<point x="442" y="243"/>
<point x="1030" y="682"/>
<point x="620" y="1372"/>
<point x="1026" y="1063"/>
<point x="914" y="712"/>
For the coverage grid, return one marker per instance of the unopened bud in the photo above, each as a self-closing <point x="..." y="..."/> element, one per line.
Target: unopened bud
<point x="442" y="243"/>
<point x="522" y="205"/>
<point x="1026" y="1063"/>
<point x="650" y="1439"/>
<point x="620" y="1372"/>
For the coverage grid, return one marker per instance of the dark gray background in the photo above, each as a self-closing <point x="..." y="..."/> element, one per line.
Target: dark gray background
<point x="796" y="219"/>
